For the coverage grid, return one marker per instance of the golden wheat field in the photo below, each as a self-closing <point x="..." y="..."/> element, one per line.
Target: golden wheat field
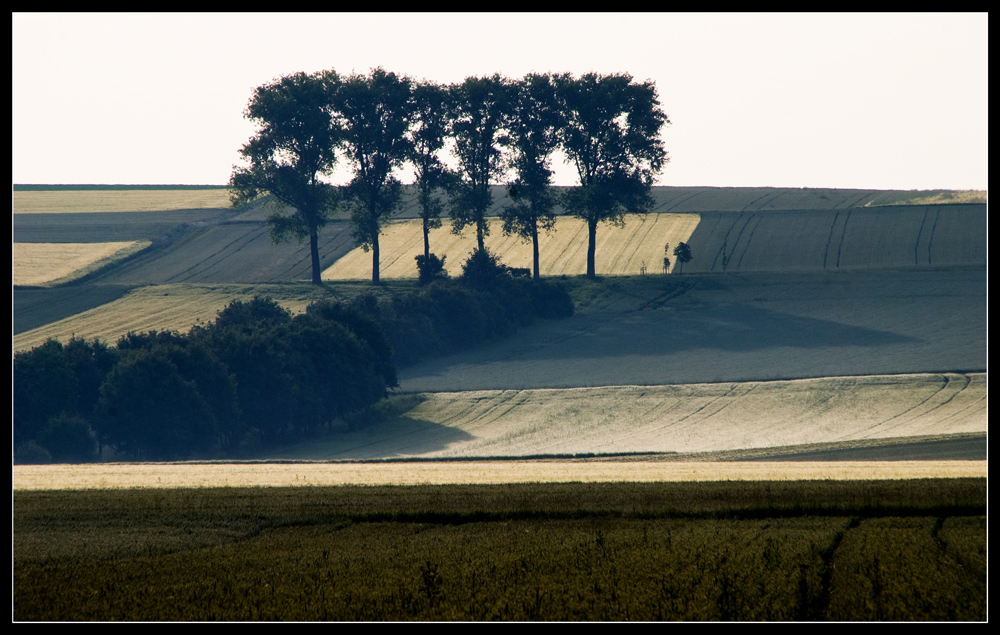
<point x="620" y="251"/>
<point x="42" y="263"/>
<point x="138" y="475"/>
<point x="77" y="201"/>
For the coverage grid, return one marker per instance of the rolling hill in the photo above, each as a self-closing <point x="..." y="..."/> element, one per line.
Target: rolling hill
<point x="785" y="286"/>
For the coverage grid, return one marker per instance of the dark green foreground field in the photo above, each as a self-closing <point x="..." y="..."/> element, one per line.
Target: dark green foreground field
<point x="811" y="550"/>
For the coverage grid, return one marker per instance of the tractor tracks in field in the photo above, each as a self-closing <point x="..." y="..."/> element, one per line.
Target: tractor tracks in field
<point x="918" y="410"/>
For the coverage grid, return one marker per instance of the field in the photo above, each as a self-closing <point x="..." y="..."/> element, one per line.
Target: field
<point x="562" y="252"/>
<point x="675" y="418"/>
<point x="794" y="427"/>
<point x="805" y="550"/>
<point x="116" y="200"/>
<point x="47" y="263"/>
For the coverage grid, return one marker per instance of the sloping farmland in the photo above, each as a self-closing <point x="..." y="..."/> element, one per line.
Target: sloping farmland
<point x="673" y="418"/>
<point x="845" y="239"/>
<point x="737" y="327"/>
<point x="233" y="252"/>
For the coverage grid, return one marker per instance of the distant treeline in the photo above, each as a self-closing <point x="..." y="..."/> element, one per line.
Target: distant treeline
<point x="256" y="377"/>
<point x="117" y="187"/>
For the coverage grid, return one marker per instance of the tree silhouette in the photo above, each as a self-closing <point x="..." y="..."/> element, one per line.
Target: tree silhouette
<point x="374" y="114"/>
<point x="428" y="131"/>
<point x="535" y="123"/>
<point x="612" y="137"/>
<point x="683" y="254"/>
<point x="479" y="115"/>
<point x="295" y="146"/>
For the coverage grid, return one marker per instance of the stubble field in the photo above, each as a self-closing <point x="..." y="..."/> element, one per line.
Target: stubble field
<point x="52" y="263"/>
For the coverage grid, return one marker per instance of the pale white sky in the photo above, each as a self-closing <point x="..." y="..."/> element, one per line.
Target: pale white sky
<point x="836" y="100"/>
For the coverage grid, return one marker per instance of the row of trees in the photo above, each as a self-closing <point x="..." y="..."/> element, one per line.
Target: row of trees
<point x="608" y="126"/>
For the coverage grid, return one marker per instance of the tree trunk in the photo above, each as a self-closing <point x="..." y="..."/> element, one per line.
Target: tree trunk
<point x="314" y="250"/>
<point x="591" y="247"/>
<point x="375" y="259"/>
<point x="479" y="235"/>
<point x="534" y="245"/>
<point x="427" y="241"/>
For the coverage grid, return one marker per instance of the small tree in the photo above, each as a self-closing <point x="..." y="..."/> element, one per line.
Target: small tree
<point x="295" y="146"/>
<point x="430" y="268"/>
<point x="683" y="254"/>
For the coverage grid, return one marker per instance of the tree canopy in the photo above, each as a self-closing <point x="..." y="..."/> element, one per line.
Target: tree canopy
<point x="295" y="146"/>
<point x="607" y="124"/>
<point x="535" y="124"/>
<point x="612" y="138"/>
<point x="428" y="132"/>
<point x="374" y="112"/>
<point x="480" y="109"/>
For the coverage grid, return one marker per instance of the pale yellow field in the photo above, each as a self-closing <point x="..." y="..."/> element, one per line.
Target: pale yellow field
<point x="41" y="263"/>
<point x="70" y="201"/>
<point x="674" y="418"/>
<point x="620" y="251"/>
<point x="138" y="475"/>
<point x="920" y="198"/>
<point x="166" y="307"/>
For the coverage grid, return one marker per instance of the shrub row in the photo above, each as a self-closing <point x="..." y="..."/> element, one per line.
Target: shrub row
<point x="254" y="377"/>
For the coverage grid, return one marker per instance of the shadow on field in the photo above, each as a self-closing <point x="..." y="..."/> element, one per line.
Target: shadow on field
<point x="746" y="327"/>
<point x="400" y="437"/>
<point x="735" y="328"/>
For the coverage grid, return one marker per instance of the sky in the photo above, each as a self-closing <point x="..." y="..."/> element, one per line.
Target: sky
<point x="870" y="101"/>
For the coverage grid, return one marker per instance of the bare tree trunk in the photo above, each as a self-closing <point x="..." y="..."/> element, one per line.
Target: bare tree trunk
<point x="534" y="245"/>
<point x="427" y="241"/>
<point x="479" y="235"/>
<point x="591" y="247"/>
<point x="375" y="259"/>
<point x="314" y="250"/>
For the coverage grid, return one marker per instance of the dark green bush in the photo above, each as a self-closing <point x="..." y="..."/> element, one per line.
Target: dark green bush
<point x="69" y="439"/>
<point x="430" y="268"/>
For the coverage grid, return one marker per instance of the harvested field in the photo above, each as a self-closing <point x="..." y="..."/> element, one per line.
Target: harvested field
<point x="676" y="418"/>
<point x="733" y="328"/>
<point x="109" y="227"/>
<point x="233" y="252"/>
<point x="840" y="240"/>
<point x="185" y="475"/>
<point x="117" y="200"/>
<point x="33" y="308"/>
<point x="41" y="263"/>
<point x="721" y="242"/>
<point x="561" y="252"/>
